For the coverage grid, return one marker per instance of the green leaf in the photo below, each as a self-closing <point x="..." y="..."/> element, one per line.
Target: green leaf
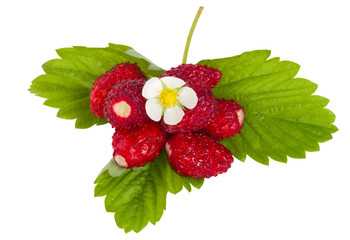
<point x="113" y="169"/>
<point x="138" y="197"/>
<point x="68" y="80"/>
<point x="145" y="64"/>
<point x="283" y="118"/>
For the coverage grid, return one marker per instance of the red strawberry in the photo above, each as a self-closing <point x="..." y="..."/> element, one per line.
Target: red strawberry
<point x="196" y="74"/>
<point x="107" y="81"/>
<point x="228" y="120"/>
<point x="196" y="155"/>
<point x="137" y="146"/>
<point x="125" y="106"/>
<point x="198" y="117"/>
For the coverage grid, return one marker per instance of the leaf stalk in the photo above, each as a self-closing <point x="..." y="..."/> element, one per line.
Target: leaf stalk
<point x="188" y="42"/>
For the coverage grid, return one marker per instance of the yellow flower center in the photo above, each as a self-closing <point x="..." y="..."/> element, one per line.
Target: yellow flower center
<point x="168" y="98"/>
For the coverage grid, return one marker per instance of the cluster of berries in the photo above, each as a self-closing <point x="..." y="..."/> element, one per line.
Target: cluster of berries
<point x="192" y="145"/>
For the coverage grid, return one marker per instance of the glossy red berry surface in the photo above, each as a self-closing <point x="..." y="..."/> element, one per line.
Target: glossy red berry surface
<point x="196" y="74"/>
<point x="137" y="146"/>
<point x="198" y="117"/>
<point x="125" y="106"/>
<point x="196" y="155"/>
<point x="107" y="81"/>
<point x="228" y="120"/>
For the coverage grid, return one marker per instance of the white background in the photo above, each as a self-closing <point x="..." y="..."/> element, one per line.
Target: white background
<point x="48" y="167"/>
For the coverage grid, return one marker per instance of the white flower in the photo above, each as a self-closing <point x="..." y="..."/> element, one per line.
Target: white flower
<point x="167" y="96"/>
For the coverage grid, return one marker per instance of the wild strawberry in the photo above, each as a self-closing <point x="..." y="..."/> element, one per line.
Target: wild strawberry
<point x="107" y="81"/>
<point x="125" y="106"/>
<point x="196" y="155"/>
<point x="196" y="74"/>
<point x="228" y="120"/>
<point x="137" y="146"/>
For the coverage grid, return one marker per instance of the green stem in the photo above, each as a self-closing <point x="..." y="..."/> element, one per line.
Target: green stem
<point x="184" y="59"/>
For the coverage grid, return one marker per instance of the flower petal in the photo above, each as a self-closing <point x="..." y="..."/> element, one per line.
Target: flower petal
<point x="174" y="115"/>
<point x="172" y="82"/>
<point x="154" y="109"/>
<point x="188" y="97"/>
<point x="152" y="88"/>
